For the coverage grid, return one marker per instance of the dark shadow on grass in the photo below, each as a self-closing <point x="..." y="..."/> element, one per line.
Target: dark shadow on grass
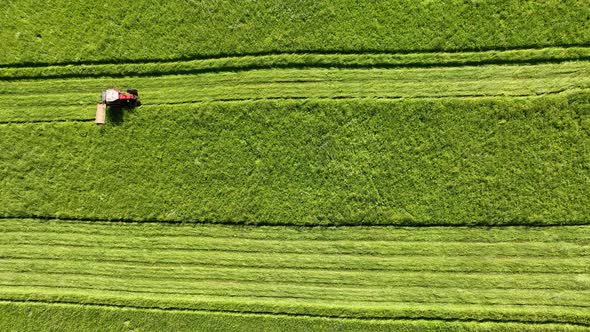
<point x="115" y="115"/>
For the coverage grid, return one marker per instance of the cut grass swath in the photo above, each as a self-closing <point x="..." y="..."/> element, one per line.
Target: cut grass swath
<point x="327" y="281"/>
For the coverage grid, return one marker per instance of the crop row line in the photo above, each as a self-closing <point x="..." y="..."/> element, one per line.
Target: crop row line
<point x="409" y="224"/>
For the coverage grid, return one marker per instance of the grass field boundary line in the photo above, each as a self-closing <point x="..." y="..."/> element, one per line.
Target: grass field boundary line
<point x="342" y="253"/>
<point x="45" y="121"/>
<point x="298" y="268"/>
<point x="268" y="313"/>
<point x="291" y="297"/>
<point x="227" y="55"/>
<point x="267" y="223"/>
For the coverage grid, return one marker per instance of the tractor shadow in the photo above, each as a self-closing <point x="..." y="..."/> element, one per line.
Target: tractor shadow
<point x="116" y="115"/>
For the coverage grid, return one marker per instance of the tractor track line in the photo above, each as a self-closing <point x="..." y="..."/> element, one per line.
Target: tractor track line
<point x="408" y="224"/>
<point x="45" y="121"/>
<point x="275" y="314"/>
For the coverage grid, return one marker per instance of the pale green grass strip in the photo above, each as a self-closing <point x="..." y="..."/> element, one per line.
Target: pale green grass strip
<point x="224" y="268"/>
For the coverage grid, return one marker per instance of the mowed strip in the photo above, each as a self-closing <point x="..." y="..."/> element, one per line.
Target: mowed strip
<point x="59" y="99"/>
<point x="501" y="274"/>
<point x="311" y="60"/>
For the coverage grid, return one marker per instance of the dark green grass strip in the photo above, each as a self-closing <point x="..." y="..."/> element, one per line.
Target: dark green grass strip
<point x="25" y="316"/>
<point x="480" y="161"/>
<point x="80" y="32"/>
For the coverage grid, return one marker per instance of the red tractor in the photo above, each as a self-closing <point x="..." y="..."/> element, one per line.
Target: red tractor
<point x="117" y="99"/>
<point x="114" y="97"/>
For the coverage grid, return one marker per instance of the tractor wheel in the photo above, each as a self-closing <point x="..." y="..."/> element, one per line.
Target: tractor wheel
<point x="132" y="91"/>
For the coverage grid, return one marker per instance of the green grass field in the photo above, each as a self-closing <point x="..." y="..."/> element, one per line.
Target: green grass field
<point x="73" y="32"/>
<point x="296" y="165"/>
